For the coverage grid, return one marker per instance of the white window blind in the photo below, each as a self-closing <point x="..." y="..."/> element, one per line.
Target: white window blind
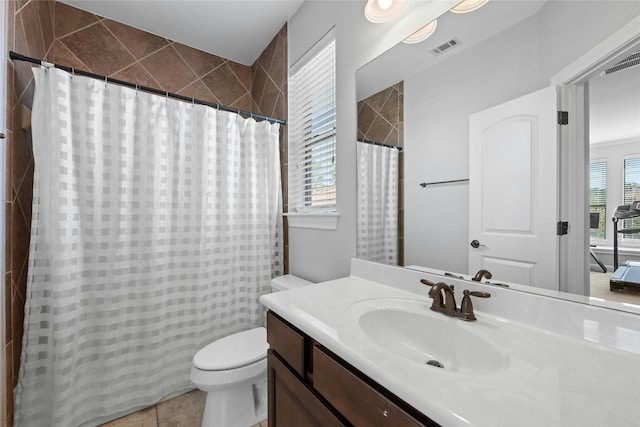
<point x="312" y="131"/>
<point x="631" y="186"/>
<point x="598" y="199"/>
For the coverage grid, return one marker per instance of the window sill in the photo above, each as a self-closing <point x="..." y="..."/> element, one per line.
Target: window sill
<point x="622" y="250"/>
<point x="321" y="221"/>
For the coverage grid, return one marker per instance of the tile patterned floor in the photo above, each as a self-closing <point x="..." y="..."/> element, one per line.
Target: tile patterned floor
<point x="182" y="411"/>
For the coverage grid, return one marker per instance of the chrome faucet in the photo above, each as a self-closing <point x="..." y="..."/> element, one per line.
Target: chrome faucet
<point x="444" y="300"/>
<point x="482" y="273"/>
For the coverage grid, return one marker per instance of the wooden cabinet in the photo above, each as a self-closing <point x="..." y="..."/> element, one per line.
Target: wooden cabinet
<point x="310" y="386"/>
<point x="287" y="342"/>
<point x="292" y="403"/>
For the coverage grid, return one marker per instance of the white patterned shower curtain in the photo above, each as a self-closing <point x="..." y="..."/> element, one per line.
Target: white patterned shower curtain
<point x="377" y="226"/>
<point x="156" y="227"/>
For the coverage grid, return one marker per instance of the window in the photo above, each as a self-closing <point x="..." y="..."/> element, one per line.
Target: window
<point x="312" y="130"/>
<point x="598" y="199"/>
<point x="631" y="187"/>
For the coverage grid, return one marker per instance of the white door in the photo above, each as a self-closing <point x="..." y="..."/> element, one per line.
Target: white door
<point x="513" y="189"/>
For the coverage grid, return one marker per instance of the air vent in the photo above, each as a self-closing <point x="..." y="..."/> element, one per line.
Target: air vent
<point x="630" y="61"/>
<point x="447" y="46"/>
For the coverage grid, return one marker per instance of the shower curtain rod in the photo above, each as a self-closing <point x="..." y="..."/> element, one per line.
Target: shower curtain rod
<point x="368" y="141"/>
<point x="18" y="57"/>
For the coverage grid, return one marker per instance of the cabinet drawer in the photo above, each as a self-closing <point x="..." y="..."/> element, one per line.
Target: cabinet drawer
<point x="287" y="342"/>
<point x="357" y="401"/>
<point x="293" y="404"/>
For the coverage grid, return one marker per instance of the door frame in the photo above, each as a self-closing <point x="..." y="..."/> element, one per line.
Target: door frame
<point x="573" y="155"/>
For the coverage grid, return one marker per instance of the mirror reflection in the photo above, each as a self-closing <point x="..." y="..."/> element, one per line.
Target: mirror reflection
<point x="380" y="168"/>
<point x="471" y="64"/>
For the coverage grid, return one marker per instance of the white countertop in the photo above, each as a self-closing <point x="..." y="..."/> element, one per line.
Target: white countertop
<point x="567" y="382"/>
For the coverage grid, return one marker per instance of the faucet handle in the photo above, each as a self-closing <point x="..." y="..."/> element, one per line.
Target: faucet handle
<point x="427" y="282"/>
<point x="477" y="294"/>
<point x="466" y="307"/>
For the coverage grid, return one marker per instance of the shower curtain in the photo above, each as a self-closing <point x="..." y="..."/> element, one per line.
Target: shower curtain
<point x="156" y="227"/>
<point x="377" y="225"/>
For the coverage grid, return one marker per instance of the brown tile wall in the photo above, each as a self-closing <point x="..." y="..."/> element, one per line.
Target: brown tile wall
<point x="381" y="116"/>
<point x="63" y="34"/>
<point x="102" y="46"/>
<point x="29" y="30"/>
<point x="269" y="89"/>
<point x="381" y="119"/>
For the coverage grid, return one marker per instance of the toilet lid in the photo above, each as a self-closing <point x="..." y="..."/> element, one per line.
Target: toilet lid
<point x="233" y="351"/>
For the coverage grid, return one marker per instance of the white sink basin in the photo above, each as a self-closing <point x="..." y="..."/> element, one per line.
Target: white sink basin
<point x="409" y="329"/>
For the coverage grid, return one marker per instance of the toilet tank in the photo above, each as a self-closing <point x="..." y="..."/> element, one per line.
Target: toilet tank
<point x="286" y="282"/>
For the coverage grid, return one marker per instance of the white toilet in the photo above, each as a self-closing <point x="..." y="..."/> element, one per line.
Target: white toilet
<point x="233" y="372"/>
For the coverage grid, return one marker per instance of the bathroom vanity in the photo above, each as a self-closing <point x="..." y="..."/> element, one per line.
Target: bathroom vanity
<point x="309" y="385"/>
<point x="367" y="350"/>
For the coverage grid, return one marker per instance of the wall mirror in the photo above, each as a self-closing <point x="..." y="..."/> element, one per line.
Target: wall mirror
<point x="471" y="63"/>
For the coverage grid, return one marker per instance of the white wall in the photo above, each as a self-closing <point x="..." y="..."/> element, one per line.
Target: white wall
<point x="438" y="103"/>
<point x="439" y="100"/>
<point x="319" y="255"/>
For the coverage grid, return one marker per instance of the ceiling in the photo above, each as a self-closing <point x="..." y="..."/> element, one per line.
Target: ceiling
<point x="614" y="106"/>
<point x="468" y="28"/>
<point x="238" y="30"/>
<point x="614" y="99"/>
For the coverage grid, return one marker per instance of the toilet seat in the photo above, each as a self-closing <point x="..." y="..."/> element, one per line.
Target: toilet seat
<point x="233" y="351"/>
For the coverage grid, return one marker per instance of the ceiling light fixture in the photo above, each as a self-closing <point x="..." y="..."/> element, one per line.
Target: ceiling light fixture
<point x="379" y="11"/>
<point x="468" y="6"/>
<point x="422" y="34"/>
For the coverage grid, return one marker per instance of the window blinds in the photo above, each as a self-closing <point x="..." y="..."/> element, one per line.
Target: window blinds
<point x="631" y="190"/>
<point x="598" y="197"/>
<point x="312" y="132"/>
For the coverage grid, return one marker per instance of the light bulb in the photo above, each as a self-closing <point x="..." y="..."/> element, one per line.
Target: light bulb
<point x="379" y="11"/>
<point x="384" y="4"/>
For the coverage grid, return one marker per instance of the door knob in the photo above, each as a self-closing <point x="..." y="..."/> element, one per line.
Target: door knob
<point x="475" y="244"/>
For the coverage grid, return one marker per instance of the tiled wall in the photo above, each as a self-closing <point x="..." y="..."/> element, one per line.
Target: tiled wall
<point x="381" y="116"/>
<point x="29" y="31"/>
<point x="381" y="119"/>
<point x="269" y="90"/>
<point x="62" y="34"/>
<point x="92" y="43"/>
